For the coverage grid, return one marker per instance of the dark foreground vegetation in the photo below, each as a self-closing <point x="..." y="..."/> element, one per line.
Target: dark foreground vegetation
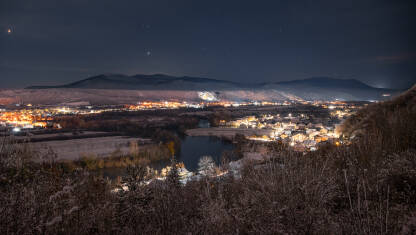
<point x="365" y="187"/>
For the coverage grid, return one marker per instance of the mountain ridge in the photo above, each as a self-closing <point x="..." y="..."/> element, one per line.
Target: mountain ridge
<point x="315" y="88"/>
<point x="158" y="79"/>
<point x="328" y="82"/>
<point x="138" y="81"/>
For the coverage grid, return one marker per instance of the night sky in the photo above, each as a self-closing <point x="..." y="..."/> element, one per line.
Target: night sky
<point x="50" y="42"/>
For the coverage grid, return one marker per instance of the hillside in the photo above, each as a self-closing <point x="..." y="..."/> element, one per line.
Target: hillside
<point x="317" y="88"/>
<point x="394" y="117"/>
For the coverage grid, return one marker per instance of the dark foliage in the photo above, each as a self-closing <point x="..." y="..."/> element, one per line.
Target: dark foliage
<point x="365" y="187"/>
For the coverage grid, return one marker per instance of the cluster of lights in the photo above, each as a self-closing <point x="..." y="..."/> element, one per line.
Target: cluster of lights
<point x="177" y="104"/>
<point x="24" y="119"/>
<point x="290" y="129"/>
<point x="164" y="105"/>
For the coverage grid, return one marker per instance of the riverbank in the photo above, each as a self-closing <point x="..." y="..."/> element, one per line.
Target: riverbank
<point x="227" y="133"/>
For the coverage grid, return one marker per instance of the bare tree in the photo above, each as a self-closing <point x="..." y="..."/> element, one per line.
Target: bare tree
<point x="206" y="166"/>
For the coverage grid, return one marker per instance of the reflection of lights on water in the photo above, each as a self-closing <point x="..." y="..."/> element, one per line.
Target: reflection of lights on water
<point x="16" y="129"/>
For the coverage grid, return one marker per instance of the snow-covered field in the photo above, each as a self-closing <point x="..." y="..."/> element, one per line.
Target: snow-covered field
<point x="63" y="135"/>
<point x="67" y="96"/>
<point x="76" y="148"/>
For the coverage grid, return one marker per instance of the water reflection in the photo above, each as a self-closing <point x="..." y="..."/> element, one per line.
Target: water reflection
<point x="192" y="149"/>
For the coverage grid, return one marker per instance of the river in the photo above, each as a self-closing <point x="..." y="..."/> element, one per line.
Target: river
<point x="192" y="149"/>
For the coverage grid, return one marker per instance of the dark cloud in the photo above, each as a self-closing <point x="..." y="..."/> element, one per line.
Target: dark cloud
<point x="54" y="42"/>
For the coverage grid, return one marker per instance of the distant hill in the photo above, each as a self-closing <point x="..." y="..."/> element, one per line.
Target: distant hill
<point x="317" y="88"/>
<point x="146" y="82"/>
<point x="325" y="88"/>
<point x="326" y="82"/>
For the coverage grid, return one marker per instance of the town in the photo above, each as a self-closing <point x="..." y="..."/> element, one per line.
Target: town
<point x="301" y="130"/>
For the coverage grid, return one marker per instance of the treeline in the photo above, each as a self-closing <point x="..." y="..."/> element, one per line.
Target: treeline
<point x="143" y="127"/>
<point x="149" y="154"/>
